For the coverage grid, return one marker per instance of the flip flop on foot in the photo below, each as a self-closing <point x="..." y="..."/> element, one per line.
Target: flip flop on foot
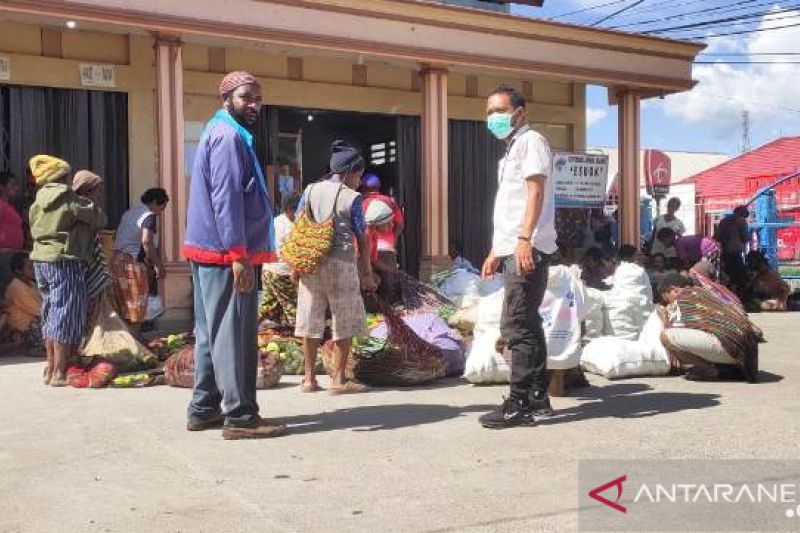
<point x="47" y="374"/>
<point x="310" y="386"/>
<point x="349" y="387"/>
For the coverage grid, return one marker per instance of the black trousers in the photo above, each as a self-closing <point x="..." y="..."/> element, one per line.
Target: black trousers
<point x="521" y="325"/>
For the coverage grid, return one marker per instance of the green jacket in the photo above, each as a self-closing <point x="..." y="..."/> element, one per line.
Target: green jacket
<point x="64" y="224"/>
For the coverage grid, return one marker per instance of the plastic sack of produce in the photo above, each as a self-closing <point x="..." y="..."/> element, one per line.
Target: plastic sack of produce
<point x="595" y="317"/>
<point x="433" y="330"/>
<point x="111" y="340"/>
<point x="628" y="303"/>
<point x="461" y="287"/>
<point x="621" y="358"/>
<point x="563" y="309"/>
<point x="484" y="364"/>
<point x="405" y="360"/>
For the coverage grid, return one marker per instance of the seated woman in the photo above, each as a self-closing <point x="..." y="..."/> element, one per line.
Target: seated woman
<point x="24" y="304"/>
<point x="767" y="289"/>
<point x="703" y="332"/>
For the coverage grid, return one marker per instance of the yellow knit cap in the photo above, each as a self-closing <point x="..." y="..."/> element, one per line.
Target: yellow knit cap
<point x="48" y="169"/>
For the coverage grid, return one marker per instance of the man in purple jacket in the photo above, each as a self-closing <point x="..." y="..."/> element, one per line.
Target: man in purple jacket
<point x="228" y="234"/>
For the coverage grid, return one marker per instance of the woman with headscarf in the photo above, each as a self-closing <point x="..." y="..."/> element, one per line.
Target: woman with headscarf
<point x="64" y="226"/>
<point x="90" y="185"/>
<point x="335" y="284"/>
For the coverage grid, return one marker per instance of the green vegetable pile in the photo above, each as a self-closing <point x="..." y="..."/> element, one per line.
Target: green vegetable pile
<point x="367" y="347"/>
<point x="291" y="354"/>
<point x="446" y="312"/>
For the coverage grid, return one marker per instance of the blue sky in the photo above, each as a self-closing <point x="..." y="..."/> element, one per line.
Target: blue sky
<point x="709" y="117"/>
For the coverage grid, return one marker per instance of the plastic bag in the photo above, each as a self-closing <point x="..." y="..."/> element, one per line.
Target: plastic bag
<point x="111" y="340"/>
<point x="155" y="308"/>
<point x="620" y="358"/>
<point x="484" y="364"/>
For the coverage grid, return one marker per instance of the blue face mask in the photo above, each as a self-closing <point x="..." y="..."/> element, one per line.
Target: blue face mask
<point x="500" y="124"/>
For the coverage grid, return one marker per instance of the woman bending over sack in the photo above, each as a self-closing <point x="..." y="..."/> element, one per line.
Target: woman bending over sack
<point x="703" y="332"/>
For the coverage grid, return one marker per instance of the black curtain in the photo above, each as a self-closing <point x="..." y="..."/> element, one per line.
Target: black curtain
<point x="474" y="156"/>
<point x="88" y="129"/>
<point x="409" y="173"/>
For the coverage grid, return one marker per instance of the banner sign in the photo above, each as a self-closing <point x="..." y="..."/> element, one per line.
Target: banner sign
<point x="658" y="171"/>
<point x="579" y="180"/>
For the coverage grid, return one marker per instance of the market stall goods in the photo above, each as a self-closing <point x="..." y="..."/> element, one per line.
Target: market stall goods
<point x="179" y="369"/>
<point x="110" y="340"/>
<point x="402" y="359"/>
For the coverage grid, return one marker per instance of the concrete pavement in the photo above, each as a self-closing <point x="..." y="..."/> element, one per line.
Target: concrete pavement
<point x="391" y="460"/>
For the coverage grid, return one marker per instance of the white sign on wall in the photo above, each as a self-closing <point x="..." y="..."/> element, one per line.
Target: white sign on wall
<point x="97" y="75"/>
<point x="579" y="180"/>
<point x="5" y="69"/>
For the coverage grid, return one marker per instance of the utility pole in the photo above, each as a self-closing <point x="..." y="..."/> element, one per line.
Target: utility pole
<point x="745" y="142"/>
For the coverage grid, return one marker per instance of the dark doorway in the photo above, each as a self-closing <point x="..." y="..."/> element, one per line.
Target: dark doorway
<point x="304" y="137"/>
<point x="88" y="129"/>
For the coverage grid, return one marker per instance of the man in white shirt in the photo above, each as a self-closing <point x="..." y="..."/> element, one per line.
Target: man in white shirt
<point x="668" y="220"/>
<point x="524" y="238"/>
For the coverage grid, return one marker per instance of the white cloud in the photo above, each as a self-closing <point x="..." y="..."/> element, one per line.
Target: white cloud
<point x="769" y="92"/>
<point x="594" y="115"/>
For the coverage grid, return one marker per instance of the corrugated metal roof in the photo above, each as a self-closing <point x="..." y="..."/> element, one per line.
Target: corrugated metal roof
<point x="777" y="158"/>
<point x="684" y="164"/>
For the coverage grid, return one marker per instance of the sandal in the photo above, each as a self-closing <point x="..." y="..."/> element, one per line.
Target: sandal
<point x="47" y="374"/>
<point x="349" y="387"/>
<point x="309" y="386"/>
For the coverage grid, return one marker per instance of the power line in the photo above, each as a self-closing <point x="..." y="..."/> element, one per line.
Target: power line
<point x="751" y="103"/>
<point x="742" y="32"/>
<point x="717" y="22"/>
<point x="591" y="8"/>
<point x="612" y="15"/>
<point x="686" y="14"/>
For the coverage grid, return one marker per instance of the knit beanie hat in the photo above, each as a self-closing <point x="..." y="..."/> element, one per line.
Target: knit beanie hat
<point x="234" y="80"/>
<point x="378" y="213"/>
<point x="48" y="169"/>
<point x="345" y="158"/>
<point x="85" y="178"/>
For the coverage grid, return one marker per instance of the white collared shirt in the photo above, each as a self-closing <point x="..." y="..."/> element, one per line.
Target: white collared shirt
<point x="528" y="154"/>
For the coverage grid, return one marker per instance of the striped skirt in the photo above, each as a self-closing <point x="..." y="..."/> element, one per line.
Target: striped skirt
<point x="62" y="285"/>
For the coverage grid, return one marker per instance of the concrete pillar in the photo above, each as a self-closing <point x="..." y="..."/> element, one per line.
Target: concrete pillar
<point x="629" y="207"/>
<point x="434" y="171"/>
<point x="171" y="173"/>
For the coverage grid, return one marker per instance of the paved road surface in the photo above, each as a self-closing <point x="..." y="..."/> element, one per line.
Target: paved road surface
<point x="414" y="460"/>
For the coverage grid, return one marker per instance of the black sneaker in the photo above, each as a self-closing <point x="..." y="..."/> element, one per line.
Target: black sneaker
<point x="540" y="404"/>
<point x="513" y="412"/>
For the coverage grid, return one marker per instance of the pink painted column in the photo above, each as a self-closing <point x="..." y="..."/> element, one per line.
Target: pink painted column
<point x="434" y="171"/>
<point x="171" y="173"/>
<point x="629" y="193"/>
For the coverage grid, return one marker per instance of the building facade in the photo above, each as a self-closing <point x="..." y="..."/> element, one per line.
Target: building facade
<point x="406" y="76"/>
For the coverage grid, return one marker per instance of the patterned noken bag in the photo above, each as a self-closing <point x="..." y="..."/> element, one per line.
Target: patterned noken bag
<point x="310" y="241"/>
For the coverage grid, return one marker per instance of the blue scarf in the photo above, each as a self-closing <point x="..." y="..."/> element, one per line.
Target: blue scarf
<point x="223" y="116"/>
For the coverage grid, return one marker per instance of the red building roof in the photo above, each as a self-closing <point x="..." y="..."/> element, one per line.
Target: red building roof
<point x="777" y="158"/>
